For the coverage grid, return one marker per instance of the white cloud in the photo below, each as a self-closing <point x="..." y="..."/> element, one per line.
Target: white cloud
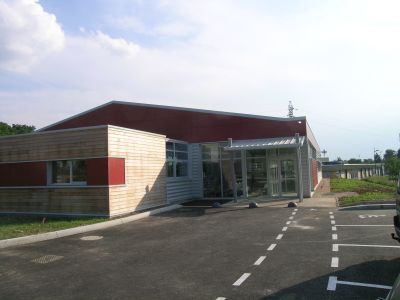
<point x="116" y="45"/>
<point x="27" y="34"/>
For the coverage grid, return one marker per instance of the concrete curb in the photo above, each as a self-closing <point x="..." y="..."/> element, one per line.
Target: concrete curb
<point x="82" y="229"/>
<point x="369" y="206"/>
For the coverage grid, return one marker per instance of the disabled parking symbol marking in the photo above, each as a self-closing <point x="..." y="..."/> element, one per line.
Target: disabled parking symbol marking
<point x="370" y="216"/>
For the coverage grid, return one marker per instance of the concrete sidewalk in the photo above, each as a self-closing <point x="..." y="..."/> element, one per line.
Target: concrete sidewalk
<point x="307" y="202"/>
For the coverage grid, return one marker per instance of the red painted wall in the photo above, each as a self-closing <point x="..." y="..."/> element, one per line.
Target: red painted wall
<point x="97" y="171"/>
<point x="116" y="170"/>
<point x="185" y="125"/>
<point x="105" y="171"/>
<point x="314" y="169"/>
<point x="23" y="174"/>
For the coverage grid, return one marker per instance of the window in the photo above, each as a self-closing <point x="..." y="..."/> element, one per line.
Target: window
<point x="68" y="172"/>
<point x="177" y="159"/>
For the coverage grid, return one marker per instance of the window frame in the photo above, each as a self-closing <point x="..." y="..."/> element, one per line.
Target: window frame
<point x="71" y="174"/>
<point x="175" y="160"/>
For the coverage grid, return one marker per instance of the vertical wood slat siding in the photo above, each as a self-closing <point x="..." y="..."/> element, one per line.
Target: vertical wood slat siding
<point x="145" y="172"/>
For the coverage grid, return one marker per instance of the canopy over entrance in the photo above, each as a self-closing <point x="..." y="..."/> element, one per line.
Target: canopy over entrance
<point x="271" y="143"/>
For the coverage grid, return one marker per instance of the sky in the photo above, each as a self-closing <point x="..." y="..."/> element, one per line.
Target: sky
<point x="337" y="61"/>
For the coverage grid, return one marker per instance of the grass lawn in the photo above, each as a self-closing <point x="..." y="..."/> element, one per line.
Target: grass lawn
<point x="11" y="227"/>
<point x="373" y="189"/>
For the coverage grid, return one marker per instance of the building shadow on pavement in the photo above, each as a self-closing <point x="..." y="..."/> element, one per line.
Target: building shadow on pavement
<point x="381" y="272"/>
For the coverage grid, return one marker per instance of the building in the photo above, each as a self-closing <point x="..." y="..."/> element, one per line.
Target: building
<point x="122" y="157"/>
<point x="352" y="171"/>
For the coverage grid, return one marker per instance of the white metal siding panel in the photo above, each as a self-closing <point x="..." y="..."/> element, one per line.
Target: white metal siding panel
<point x="182" y="189"/>
<point x="179" y="189"/>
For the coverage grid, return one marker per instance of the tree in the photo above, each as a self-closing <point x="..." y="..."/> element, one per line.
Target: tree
<point x="6" y="129"/>
<point x="392" y="166"/>
<point x="389" y="153"/>
<point x="398" y="153"/>
<point x="368" y="161"/>
<point x="354" y="161"/>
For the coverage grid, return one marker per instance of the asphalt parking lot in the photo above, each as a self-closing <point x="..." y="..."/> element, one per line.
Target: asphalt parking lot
<point x="226" y="253"/>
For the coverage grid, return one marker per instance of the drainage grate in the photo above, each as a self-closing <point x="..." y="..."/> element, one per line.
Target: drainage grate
<point x="91" y="238"/>
<point x="47" y="259"/>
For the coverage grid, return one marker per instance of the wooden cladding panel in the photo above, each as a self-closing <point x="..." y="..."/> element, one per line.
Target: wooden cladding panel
<point x="55" y="145"/>
<point x="93" y="201"/>
<point x="145" y="172"/>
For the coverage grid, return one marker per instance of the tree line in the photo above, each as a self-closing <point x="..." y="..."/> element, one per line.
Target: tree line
<point x="6" y="129"/>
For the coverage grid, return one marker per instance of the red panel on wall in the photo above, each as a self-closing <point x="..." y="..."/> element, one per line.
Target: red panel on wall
<point x="97" y="171"/>
<point x="116" y="170"/>
<point x="23" y="174"/>
<point x="190" y="126"/>
<point x="105" y="171"/>
<point x="314" y="166"/>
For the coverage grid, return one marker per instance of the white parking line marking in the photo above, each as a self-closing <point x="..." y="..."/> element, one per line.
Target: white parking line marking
<point x="367" y="225"/>
<point x="259" y="260"/>
<point x="270" y="248"/>
<point x="332" y="282"/>
<point x="288" y="222"/>
<point x="374" y="246"/>
<point x="284" y="228"/>
<point x="335" y="262"/>
<point x="332" y="217"/>
<point x="333" y="222"/>
<point x="295" y="209"/>
<point x="331" y="213"/>
<point x="279" y="236"/>
<point x="333" y="228"/>
<point x="221" y="298"/>
<point x="335" y="247"/>
<point x="241" y="279"/>
<point x="334" y="236"/>
<point x="291" y="218"/>
<point x="293" y="213"/>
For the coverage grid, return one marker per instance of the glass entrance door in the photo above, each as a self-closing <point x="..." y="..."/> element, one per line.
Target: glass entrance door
<point x="256" y="173"/>
<point x="274" y="178"/>
<point x="288" y="177"/>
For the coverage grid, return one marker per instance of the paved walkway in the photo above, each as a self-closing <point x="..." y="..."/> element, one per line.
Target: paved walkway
<point x="323" y="189"/>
